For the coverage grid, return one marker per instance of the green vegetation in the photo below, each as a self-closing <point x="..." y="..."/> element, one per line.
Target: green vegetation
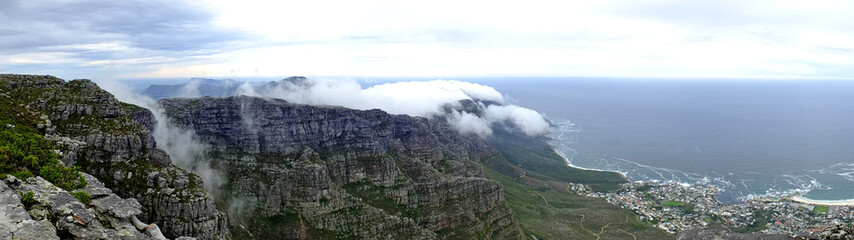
<point x="536" y="159"/>
<point x="672" y="204"/>
<point x="28" y="199"/>
<point x="278" y="226"/>
<point x="374" y="196"/>
<point x="535" y="182"/>
<point x="24" y="153"/>
<point x="555" y="214"/>
<point x="82" y="196"/>
<point x="762" y="219"/>
<point x="684" y="207"/>
<point x="821" y="209"/>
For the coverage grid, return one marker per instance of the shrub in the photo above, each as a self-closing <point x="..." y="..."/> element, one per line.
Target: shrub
<point x="23" y="175"/>
<point x="25" y="153"/>
<point x="82" y="196"/>
<point x="63" y="177"/>
<point x="28" y="199"/>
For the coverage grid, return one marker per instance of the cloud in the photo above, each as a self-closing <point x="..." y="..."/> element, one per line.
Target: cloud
<point x="465" y="123"/>
<point x="635" y="38"/>
<point x="151" y="25"/>
<point x="529" y="121"/>
<point x="90" y="33"/>
<point x="182" y="145"/>
<point x="437" y="98"/>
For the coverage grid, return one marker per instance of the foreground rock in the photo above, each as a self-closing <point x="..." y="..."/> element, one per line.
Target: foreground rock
<point x="838" y="232"/>
<point x="16" y="223"/>
<point x="298" y="171"/>
<point x="50" y="212"/>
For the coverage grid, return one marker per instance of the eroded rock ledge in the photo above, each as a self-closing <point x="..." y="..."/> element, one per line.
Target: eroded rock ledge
<point x="36" y="209"/>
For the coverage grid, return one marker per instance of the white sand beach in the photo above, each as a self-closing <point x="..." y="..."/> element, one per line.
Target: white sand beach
<point x="801" y="199"/>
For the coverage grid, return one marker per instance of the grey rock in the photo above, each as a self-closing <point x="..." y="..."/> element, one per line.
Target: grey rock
<point x="15" y="223"/>
<point x="35" y="230"/>
<point x="72" y="216"/>
<point x="338" y="168"/>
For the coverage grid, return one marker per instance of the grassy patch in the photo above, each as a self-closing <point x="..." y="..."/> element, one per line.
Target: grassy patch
<point x="672" y="204"/>
<point x="821" y="209"/>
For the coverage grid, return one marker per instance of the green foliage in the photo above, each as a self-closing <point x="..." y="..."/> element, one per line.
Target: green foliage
<point x="28" y="199"/>
<point x="63" y="177"/>
<point x="82" y="196"/>
<point x="23" y="174"/>
<point x="24" y="153"/>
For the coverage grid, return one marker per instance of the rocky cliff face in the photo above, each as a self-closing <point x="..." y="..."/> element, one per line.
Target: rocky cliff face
<point x="112" y="141"/>
<point x="302" y="171"/>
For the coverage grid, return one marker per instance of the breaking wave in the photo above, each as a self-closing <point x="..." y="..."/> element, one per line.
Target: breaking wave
<point x="735" y="187"/>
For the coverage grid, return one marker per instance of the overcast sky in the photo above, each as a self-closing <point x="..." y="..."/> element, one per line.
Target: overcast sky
<point x="690" y="38"/>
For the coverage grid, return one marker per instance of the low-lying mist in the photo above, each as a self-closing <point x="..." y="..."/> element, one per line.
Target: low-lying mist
<point x="417" y="98"/>
<point x="182" y="145"/>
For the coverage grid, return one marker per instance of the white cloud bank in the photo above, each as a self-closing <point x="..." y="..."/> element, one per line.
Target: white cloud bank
<point x="417" y="98"/>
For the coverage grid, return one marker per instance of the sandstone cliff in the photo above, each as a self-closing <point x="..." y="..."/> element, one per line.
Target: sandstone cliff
<point x="303" y="171"/>
<point x="112" y="141"/>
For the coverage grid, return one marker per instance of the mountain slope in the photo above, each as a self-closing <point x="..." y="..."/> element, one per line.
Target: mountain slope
<point x="314" y="167"/>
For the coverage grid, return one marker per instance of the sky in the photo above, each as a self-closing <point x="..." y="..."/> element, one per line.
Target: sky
<point x="249" y="38"/>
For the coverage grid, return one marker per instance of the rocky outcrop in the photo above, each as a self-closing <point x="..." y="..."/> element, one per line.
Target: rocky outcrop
<point x="48" y="212"/>
<point x="16" y="223"/>
<point x="112" y="141"/>
<point x="334" y="172"/>
<point x="837" y="232"/>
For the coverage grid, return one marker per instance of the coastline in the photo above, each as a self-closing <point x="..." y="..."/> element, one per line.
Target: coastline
<point x="801" y="199"/>
<point x="568" y="163"/>
<point x="794" y="198"/>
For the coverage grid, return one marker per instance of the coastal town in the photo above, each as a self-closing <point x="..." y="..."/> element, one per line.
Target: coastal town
<point x="674" y="207"/>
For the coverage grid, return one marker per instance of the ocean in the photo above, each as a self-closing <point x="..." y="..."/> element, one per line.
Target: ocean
<point x="751" y="138"/>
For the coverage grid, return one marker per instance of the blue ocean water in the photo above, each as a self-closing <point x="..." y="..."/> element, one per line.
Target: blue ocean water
<point x="749" y="137"/>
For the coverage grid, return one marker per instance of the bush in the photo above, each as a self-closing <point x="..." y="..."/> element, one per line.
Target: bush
<point x="23" y="175"/>
<point x="82" y="196"/>
<point x="63" y="177"/>
<point x="25" y="154"/>
<point x="28" y="199"/>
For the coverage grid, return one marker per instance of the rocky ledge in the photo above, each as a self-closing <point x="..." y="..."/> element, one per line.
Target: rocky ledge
<point x="36" y="209"/>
